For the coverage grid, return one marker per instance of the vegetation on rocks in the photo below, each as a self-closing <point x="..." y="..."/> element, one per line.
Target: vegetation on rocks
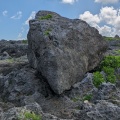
<point x="47" y="32"/>
<point x="108" y="66"/>
<point x="98" y="78"/>
<point x="28" y="115"/>
<point x="32" y="94"/>
<point x="110" y="38"/>
<point x="46" y="17"/>
<point x="87" y="97"/>
<point x="25" y="41"/>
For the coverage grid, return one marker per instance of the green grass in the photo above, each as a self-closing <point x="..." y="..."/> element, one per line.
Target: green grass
<point x="110" y="72"/>
<point x="25" y="41"/>
<point x="28" y="115"/>
<point x="75" y="99"/>
<point x="47" y="32"/>
<point x="98" y="79"/>
<point x="111" y="61"/>
<point x="117" y="51"/>
<point x="110" y="38"/>
<point x="32" y="116"/>
<point x="46" y="17"/>
<point x="87" y="97"/>
<point x="108" y="65"/>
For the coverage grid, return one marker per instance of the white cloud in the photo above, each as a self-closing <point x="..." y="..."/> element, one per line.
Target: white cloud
<point x="19" y="36"/>
<point x="108" y="16"/>
<point x="117" y="23"/>
<point x="90" y="18"/>
<point x="5" y="13"/>
<point x="17" y="16"/>
<point x="105" y="30"/>
<point x="22" y="32"/>
<point x="32" y="16"/>
<point x="69" y="1"/>
<point x="107" y="1"/>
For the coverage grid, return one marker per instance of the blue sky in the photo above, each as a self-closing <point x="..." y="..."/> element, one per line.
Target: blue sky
<point x="101" y="14"/>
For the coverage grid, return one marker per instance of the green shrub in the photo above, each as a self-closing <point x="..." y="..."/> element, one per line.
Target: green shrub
<point x="76" y="99"/>
<point x="28" y="115"/>
<point x="87" y="97"/>
<point x="108" y="65"/>
<point x="110" y="38"/>
<point x="117" y="51"/>
<point x="98" y="79"/>
<point x="108" y="70"/>
<point x="24" y="41"/>
<point x="32" y="116"/>
<point x="110" y="77"/>
<point x="46" y="17"/>
<point x="111" y="61"/>
<point x="47" y="32"/>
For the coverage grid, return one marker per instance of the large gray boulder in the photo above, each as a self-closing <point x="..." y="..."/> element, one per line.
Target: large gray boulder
<point x="63" y="49"/>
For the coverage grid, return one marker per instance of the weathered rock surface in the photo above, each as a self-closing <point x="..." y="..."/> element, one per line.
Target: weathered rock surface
<point x="63" y="49"/>
<point x="101" y="111"/>
<point x="18" y="85"/>
<point x="18" y="113"/>
<point x="13" y="48"/>
<point x="117" y="36"/>
<point x="10" y="64"/>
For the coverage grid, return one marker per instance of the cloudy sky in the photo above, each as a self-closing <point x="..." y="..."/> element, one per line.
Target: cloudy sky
<point x="15" y="15"/>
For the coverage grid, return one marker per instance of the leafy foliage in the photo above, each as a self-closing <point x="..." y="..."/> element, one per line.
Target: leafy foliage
<point x="24" y="41"/>
<point x="47" y="32"/>
<point x="32" y="116"/>
<point x="117" y="51"/>
<point x="110" y="38"/>
<point x="110" y="74"/>
<point x="111" y="61"/>
<point x="108" y="65"/>
<point x="47" y="17"/>
<point x="98" y="79"/>
<point x="28" y="115"/>
<point x="87" y="97"/>
<point x="76" y="99"/>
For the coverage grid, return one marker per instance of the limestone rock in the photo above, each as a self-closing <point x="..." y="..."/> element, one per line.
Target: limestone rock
<point x="117" y="36"/>
<point x="101" y="111"/>
<point x="63" y="49"/>
<point x="13" y="48"/>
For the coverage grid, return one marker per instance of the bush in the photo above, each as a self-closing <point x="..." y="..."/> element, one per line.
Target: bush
<point x="108" y="65"/>
<point x="111" y="61"/>
<point x="46" y="17"/>
<point x="87" y="97"/>
<point x="110" y="38"/>
<point x="24" y="41"/>
<point x="98" y="79"/>
<point x="75" y="99"/>
<point x="32" y="116"/>
<point x="110" y="77"/>
<point x="28" y="115"/>
<point x="47" y="32"/>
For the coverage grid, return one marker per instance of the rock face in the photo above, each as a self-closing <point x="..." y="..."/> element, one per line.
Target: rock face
<point x="12" y="48"/>
<point x="117" y="36"/>
<point x="63" y="49"/>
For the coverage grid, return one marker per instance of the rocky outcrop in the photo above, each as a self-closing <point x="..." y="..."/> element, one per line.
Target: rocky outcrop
<point x="63" y="49"/>
<point x="101" y="111"/>
<point x="19" y="84"/>
<point x="33" y="111"/>
<point x="13" y="48"/>
<point x="117" y="36"/>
